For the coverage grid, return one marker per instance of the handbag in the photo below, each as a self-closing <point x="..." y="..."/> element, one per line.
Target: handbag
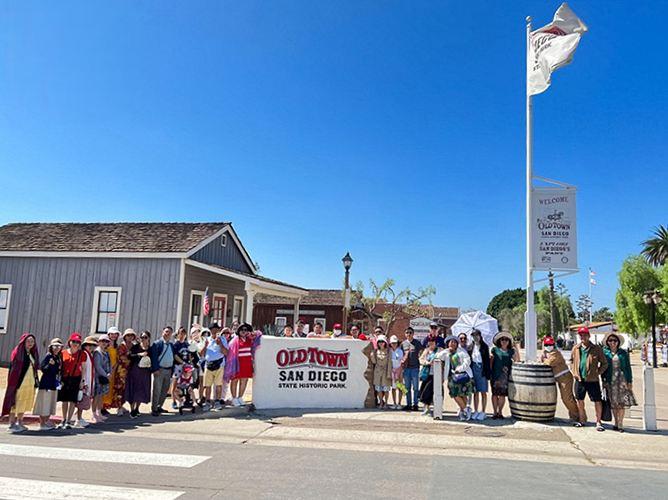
<point x="606" y="414"/>
<point x="145" y="362"/>
<point x="460" y="377"/>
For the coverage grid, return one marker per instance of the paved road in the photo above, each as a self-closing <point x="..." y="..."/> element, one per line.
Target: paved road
<point x="217" y="458"/>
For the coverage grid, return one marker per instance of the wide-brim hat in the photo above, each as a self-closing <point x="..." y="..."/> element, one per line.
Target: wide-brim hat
<point x="90" y="340"/>
<point x="381" y="338"/>
<point x="394" y="339"/>
<point x="113" y="329"/>
<point x="612" y="334"/>
<point x="195" y="329"/>
<point x="502" y="335"/>
<point x="129" y="331"/>
<point x="449" y="338"/>
<point x="56" y="342"/>
<point x="103" y="337"/>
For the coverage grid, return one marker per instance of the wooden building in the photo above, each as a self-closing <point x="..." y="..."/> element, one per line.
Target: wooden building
<point x="60" y="278"/>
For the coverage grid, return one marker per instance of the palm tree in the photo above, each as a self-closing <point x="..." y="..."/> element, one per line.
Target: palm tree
<point x="656" y="249"/>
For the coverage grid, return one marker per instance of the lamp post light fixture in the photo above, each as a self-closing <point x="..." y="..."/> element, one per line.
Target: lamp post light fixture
<point x="653" y="298"/>
<point x="347" y="264"/>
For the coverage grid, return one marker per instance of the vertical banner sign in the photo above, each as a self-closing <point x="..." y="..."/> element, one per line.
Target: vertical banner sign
<point x="310" y="373"/>
<point x="553" y="234"/>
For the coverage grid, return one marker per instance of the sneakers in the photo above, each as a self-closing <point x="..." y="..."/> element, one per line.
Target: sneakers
<point x="406" y="408"/>
<point x="15" y="429"/>
<point x="425" y="411"/>
<point x="462" y="415"/>
<point x="236" y="402"/>
<point x="217" y="406"/>
<point x="120" y="412"/>
<point x="481" y="416"/>
<point x="81" y="423"/>
<point x="45" y="427"/>
<point x="475" y="415"/>
<point x="467" y="412"/>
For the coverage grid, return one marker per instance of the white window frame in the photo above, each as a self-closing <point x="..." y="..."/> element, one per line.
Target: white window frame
<point x="223" y="240"/>
<point x="201" y="306"/>
<point x="241" y="317"/>
<point x="320" y="320"/>
<point x="283" y="321"/>
<point x="224" y="320"/>
<point x="7" y="287"/>
<point x="96" y="305"/>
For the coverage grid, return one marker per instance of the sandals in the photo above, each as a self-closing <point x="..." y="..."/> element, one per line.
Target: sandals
<point x="600" y="428"/>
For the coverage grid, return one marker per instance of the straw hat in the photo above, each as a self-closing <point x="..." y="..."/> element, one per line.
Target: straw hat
<point x="612" y="334"/>
<point x="103" y="337"/>
<point x="56" y="342"/>
<point x="113" y="329"/>
<point x="502" y="335"/>
<point x="90" y="340"/>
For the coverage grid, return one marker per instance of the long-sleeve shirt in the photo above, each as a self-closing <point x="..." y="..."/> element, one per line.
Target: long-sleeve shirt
<point x="102" y="363"/>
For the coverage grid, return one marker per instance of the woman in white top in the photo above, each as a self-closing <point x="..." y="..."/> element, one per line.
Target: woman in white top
<point x="396" y="354"/>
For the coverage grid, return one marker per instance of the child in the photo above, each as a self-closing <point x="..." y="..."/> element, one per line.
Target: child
<point x="396" y="354"/>
<point x="184" y="388"/>
<point x="382" y="370"/>
<point x="45" y="403"/>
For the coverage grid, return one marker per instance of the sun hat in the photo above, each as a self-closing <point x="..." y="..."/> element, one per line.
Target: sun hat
<point x="75" y="337"/>
<point x="195" y="328"/>
<point x="612" y="334"/>
<point x="433" y="324"/>
<point x="56" y="342"/>
<point x="129" y="331"/>
<point x="548" y="340"/>
<point x="583" y="330"/>
<point x="449" y="338"/>
<point x="394" y="339"/>
<point x="90" y="340"/>
<point x="502" y="335"/>
<point x="246" y="326"/>
<point x="113" y="329"/>
<point x="381" y="338"/>
<point x="103" y="337"/>
<point x="206" y="330"/>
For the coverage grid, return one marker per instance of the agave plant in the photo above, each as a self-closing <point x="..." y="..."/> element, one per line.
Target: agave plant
<point x="656" y="249"/>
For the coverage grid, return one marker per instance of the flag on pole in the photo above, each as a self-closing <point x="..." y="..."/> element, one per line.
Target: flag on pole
<point x="552" y="47"/>
<point x="207" y="303"/>
<point x="592" y="280"/>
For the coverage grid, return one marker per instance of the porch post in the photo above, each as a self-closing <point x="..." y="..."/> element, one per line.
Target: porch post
<point x="250" y="295"/>
<point x="295" y="313"/>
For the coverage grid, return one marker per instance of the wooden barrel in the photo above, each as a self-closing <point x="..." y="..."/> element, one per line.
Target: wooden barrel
<point x="532" y="392"/>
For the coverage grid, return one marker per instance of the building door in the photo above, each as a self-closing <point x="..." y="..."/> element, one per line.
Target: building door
<point x="196" y="303"/>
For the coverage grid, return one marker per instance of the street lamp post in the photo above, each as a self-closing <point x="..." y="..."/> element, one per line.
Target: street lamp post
<point x="652" y="299"/>
<point x="347" y="264"/>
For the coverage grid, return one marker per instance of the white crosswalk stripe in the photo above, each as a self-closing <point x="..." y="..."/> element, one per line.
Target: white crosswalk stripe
<point x="127" y="457"/>
<point x="29" y="489"/>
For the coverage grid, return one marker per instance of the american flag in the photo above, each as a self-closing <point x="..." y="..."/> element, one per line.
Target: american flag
<point x="207" y="304"/>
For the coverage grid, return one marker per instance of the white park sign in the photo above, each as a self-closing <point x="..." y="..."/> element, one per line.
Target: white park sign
<point x="554" y="239"/>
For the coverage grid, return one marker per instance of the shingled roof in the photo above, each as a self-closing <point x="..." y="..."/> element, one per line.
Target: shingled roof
<point x="107" y="237"/>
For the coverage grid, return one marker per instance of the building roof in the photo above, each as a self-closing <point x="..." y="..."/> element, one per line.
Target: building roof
<point x="154" y="237"/>
<point x="315" y="297"/>
<point x="259" y="278"/>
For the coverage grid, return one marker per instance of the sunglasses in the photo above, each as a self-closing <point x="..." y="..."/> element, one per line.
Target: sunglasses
<point x="143" y="337"/>
<point x="613" y="340"/>
<point x="505" y="340"/>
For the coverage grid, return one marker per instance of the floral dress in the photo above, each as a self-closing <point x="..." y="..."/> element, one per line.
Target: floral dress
<point x="457" y="389"/>
<point x="502" y="362"/>
<point x="620" y="395"/>
<point x="120" y="376"/>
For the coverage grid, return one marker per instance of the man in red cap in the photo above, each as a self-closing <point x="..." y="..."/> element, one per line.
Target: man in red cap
<point x="588" y="363"/>
<point x="555" y="360"/>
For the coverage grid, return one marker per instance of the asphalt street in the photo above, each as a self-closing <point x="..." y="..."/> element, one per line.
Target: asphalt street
<point x="218" y="458"/>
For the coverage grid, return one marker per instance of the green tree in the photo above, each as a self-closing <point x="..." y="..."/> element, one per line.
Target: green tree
<point x="508" y="299"/>
<point x="656" y="248"/>
<point x="636" y="277"/>
<point x="602" y="314"/>
<point x="583" y="304"/>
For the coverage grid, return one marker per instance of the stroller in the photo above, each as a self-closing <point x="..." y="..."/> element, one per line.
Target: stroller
<point x="184" y="393"/>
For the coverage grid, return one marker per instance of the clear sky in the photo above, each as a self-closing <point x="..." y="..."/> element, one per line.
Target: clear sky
<point x="393" y="130"/>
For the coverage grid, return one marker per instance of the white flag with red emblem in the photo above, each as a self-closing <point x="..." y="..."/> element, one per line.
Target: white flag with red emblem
<point x="207" y="304"/>
<point x="552" y="47"/>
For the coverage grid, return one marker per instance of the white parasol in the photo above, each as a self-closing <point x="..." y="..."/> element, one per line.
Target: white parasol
<point x="476" y="320"/>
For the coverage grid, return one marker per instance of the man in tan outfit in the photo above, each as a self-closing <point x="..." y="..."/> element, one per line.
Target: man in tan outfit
<point x="555" y="360"/>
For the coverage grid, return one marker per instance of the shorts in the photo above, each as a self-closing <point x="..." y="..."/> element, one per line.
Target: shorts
<point x="214" y="377"/>
<point x="593" y="389"/>
<point x="480" y="383"/>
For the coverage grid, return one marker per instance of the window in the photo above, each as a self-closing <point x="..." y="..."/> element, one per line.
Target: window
<point x="281" y="321"/>
<point x="223" y="240"/>
<point x="196" y="303"/>
<point x="106" y="307"/>
<point x="219" y="309"/>
<point x="5" y="295"/>
<point x="238" y="309"/>
<point x="322" y="321"/>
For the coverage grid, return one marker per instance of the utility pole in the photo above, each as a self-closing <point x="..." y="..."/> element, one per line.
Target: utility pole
<point x="551" y="278"/>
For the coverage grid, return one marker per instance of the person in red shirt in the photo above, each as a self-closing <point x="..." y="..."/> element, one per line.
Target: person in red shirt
<point x="356" y="334"/>
<point x="71" y="383"/>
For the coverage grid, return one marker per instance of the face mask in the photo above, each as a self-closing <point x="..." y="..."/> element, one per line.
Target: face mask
<point x="337" y="333"/>
<point x="549" y="348"/>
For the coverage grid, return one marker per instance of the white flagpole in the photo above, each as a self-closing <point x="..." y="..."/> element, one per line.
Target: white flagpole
<point x="530" y="337"/>
<point x="591" y="300"/>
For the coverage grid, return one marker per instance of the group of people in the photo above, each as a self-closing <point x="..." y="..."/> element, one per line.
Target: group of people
<point x="469" y="366"/>
<point x="106" y="372"/>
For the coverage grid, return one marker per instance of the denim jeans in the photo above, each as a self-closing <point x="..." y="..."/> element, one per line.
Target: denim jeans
<point x="411" y="381"/>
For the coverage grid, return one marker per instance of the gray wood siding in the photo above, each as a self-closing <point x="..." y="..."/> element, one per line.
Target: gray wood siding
<point x="199" y="279"/>
<point x="52" y="297"/>
<point x="229" y="256"/>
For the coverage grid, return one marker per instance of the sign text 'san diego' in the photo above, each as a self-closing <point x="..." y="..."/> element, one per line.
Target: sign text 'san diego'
<point x="554" y="238"/>
<point x="310" y="373"/>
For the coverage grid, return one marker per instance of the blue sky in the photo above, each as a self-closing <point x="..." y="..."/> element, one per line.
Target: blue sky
<point x="393" y="130"/>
